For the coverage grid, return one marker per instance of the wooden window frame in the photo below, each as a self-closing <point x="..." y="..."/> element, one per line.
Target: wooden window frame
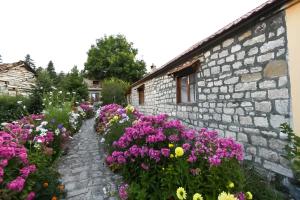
<point x="188" y="84"/>
<point x="141" y="95"/>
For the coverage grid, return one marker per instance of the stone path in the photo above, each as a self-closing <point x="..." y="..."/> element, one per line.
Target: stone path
<point x="84" y="173"/>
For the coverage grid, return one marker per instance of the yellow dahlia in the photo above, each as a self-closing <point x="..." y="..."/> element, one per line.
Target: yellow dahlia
<point x="197" y="196"/>
<point x="171" y="145"/>
<point x="179" y="151"/>
<point x="226" y="196"/>
<point x="171" y="155"/>
<point x="249" y="195"/>
<point x="181" y="193"/>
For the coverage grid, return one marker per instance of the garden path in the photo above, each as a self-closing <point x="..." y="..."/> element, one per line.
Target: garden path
<point x="83" y="170"/>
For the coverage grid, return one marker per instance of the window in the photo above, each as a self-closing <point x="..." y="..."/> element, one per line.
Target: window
<point x="186" y="88"/>
<point x="95" y="82"/>
<point x="141" y="94"/>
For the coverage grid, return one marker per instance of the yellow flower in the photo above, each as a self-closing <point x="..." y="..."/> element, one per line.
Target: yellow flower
<point x="171" y="155"/>
<point x="197" y="196"/>
<point x="171" y="145"/>
<point x="230" y="184"/>
<point x="129" y="108"/>
<point x="226" y="196"/>
<point x="179" y="151"/>
<point x="181" y="193"/>
<point x="115" y="118"/>
<point x="249" y="195"/>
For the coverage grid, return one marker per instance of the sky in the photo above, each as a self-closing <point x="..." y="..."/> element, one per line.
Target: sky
<point x="64" y="30"/>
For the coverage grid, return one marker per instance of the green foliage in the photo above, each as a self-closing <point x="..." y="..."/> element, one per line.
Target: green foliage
<point x="292" y="149"/>
<point x="35" y="101"/>
<point x="28" y="60"/>
<point x="114" y="56"/>
<point x="13" y="108"/>
<point x="73" y="83"/>
<point x="44" y="81"/>
<point x="51" y="70"/>
<point x="114" y="91"/>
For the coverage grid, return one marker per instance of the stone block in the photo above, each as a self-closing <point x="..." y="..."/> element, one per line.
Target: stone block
<point x="212" y="63"/>
<point x="253" y="51"/>
<point x="267" y="84"/>
<point x="245" y="86"/>
<point x="268" y="154"/>
<point x="240" y="55"/>
<point x="270" y="133"/>
<point x="277" y="120"/>
<point x="228" y="110"/>
<point x="261" y="121"/>
<point x="272" y="45"/>
<point x="245" y="35"/>
<point x="232" y="80"/>
<point x="259" y="94"/>
<point x="226" y="118"/>
<point x="282" y="106"/>
<point x="251" y="77"/>
<point x="282" y="81"/>
<point x="258" y="140"/>
<point x="249" y="61"/>
<point x="276" y="68"/>
<point x="246" y="120"/>
<point x="225" y="68"/>
<point x="215" y="70"/>
<point x="230" y="58"/>
<point x="242" y="137"/>
<point x="238" y="95"/>
<point x="277" y="144"/>
<point x="223" y="89"/>
<point x="236" y="48"/>
<point x="280" y="30"/>
<point x="217" y="48"/>
<point x="221" y="61"/>
<point x="223" y="53"/>
<point x="278" y="168"/>
<point x="237" y="65"/>
<point x="255" y="40"/>
<point x="214" y="56"/>
<point x="230" y="134"/>
<point x="265" y="57"/>
<point x="264" y="106"/>
<point x="278" y="93"/>
<point x="228" y="42"/>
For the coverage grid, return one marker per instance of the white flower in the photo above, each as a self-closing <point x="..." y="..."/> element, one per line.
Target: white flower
<point x="50" y="103"/>
<point x="4" y="124"/>
<point x="68" y="92"/>
<point x="74" y="92"/>
<point x="19" y="102"/>
<point x="44" y="123"/>
<point x="50" y="93"/>
<point x="41" y="88"/>
<point x="44" y="99"/>
<point x="57" y="132"/>
<point x="24" y="107"/>
<point x="102" y="140"/>
<point x="54" y="88"/>
<point x="39" y="140"/>
<point x="37" y="145"/>
<point x="60" y="92"/>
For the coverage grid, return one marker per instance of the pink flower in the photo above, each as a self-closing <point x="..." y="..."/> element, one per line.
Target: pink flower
<point x="17" y="184"/>
<point x="123" y="191"/>
<point x="165" y="152"/>
<point x="30" y="196"/>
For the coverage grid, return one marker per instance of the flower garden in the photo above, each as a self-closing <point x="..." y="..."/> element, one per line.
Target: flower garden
<point x="30" y="147"/>
<point x="160" y="158"/>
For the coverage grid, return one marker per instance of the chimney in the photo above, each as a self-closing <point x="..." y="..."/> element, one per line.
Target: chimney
<point x="153" y="67"/>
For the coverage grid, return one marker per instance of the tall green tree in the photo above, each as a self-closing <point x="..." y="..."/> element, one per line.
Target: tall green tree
<point x="29" y="61"/>
<point x="51" y="70"/>
<point x="73" y="82"/>
<point x="114" y="56"/>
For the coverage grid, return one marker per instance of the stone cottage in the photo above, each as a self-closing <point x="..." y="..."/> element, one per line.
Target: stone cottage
<point x="16" y="79"/>
<point x="94" y="88"/>
<point x="240" y="81"/>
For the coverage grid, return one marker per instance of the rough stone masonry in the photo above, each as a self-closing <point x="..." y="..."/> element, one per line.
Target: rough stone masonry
<point x="243" y="91"/>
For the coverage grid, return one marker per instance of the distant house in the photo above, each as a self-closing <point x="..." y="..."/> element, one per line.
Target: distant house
<point x="94" y="88"/>
<point x="241" y="81"/>
<point x="16" y="78"/>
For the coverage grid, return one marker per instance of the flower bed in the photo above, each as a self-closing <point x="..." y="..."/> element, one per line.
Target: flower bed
<point x="162" y="159"/>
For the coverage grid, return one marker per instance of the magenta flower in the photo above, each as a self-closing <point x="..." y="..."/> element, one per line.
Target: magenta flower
<point x="17" y="184"/>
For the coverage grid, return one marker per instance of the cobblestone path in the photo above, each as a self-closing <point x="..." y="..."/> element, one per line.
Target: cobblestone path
<point x="84" y="173"/>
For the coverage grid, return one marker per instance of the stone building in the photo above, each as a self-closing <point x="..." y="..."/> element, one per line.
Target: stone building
<point x="16" y="79"/>
<point x="240" y="81"/>
<point x="94" y="88"/>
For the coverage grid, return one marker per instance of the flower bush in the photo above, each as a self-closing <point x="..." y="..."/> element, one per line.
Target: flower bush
<point x="27" y="150"/>
<point x="87" y="109"/>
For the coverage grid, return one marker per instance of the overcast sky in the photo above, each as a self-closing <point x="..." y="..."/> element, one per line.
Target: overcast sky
<point x="64" y="30"/>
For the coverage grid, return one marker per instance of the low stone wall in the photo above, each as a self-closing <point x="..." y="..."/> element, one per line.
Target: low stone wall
<point x="243" y="91"/>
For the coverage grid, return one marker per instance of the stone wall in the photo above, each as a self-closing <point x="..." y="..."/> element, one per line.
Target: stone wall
<point x="16" y="81"/>
<point x="242" y="91"/>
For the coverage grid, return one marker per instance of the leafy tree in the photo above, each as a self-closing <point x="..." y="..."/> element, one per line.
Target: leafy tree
<point x="51" y="70"/>
<point x="29" y="61"/>
<point x="59" y="79"/>
<point x="44" y="81"/>
<point x="73" y="82"/>
<point x="114" y="91"/>
<point x="114" y="56"/>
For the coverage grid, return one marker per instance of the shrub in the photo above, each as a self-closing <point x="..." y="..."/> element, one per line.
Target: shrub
<point x="114" y="91"/>
<point x="12" y="108"/>
<point x="88" y="110"/>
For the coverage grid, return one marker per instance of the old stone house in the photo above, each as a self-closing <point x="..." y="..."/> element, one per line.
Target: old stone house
<point x="240" y="81"/>
<point x="94" y="88"/>
<point x="16" y="79"/>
